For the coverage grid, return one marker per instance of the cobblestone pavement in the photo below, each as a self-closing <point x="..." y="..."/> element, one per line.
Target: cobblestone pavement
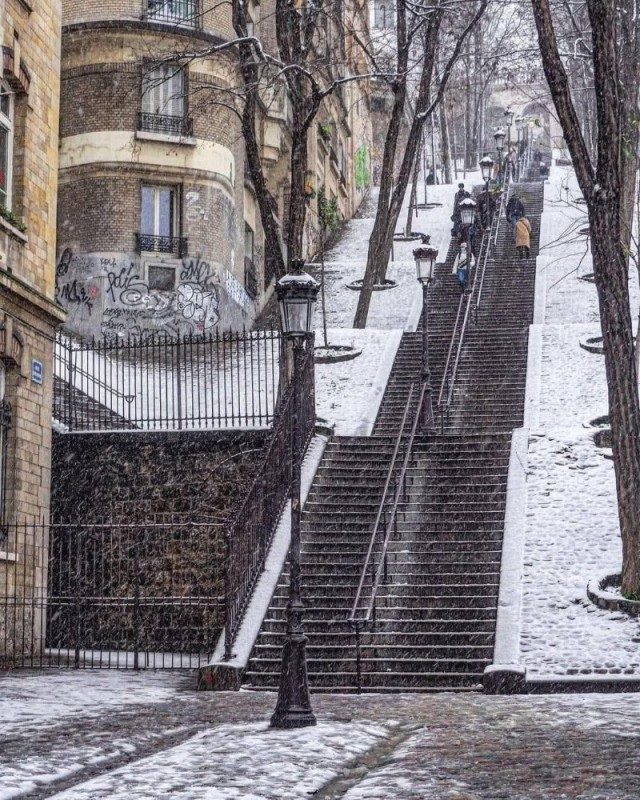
<point x="433" y="747"/>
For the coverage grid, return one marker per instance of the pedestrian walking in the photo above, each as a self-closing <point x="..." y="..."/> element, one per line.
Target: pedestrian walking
<point x="463" y="262"/>
<point x="456" y="217"/>
<point x="523" y="238"/>
<point x="486" y="209"/>
<point x="514" y="211"/>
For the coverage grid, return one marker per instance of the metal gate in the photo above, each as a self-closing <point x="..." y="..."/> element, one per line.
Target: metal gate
<point x="111" y="595"/>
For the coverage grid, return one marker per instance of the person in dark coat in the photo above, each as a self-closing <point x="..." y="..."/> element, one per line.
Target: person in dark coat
<point x="486" y="209"/>
<point x="514" y="211"/>
<point x="456" y="216"/>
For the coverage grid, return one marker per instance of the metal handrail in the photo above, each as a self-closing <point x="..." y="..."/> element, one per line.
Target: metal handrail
<point x="445" y="374"/>
<point x="451" y="368"/>
<point x="381" y="512"/>
<point x="483" y="255"/>
<point x="381" y="572"/>
<point x="75" y="369"/>
<point x="494" y="223"/>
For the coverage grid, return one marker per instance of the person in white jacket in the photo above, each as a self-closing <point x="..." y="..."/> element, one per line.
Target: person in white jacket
<point x="463" y="262"/>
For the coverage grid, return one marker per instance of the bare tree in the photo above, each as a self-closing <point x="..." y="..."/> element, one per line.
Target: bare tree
<point x="414" y="25"/>
<point x="601" y="179"/>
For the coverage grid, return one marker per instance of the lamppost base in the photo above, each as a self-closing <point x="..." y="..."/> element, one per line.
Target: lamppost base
<point x="293" y="709"/>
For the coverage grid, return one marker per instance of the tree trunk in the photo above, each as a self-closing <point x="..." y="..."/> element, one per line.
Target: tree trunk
<point x="446" y="148"/>
<point x="322" y="291"/>
<point x="413" y="200"/>
<point x="602" y="190"/>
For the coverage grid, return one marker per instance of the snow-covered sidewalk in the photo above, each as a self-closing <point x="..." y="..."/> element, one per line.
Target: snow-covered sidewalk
<point x="571" y="532"/>
<point x="348" y="394"/>
<point x="90" y="735"/>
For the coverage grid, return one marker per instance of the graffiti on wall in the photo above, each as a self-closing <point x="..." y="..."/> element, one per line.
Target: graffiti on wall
<point x="110" y="295"/>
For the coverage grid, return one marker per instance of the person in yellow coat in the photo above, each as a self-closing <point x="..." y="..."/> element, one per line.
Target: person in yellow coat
<point x="523" y="238"/>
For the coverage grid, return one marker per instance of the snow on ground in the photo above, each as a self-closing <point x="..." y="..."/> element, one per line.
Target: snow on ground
<point x="57" y="697"/>
<point x="214" y="764"/>
<point x="572" y="532"/>
<point x="345" y="263"/>
<point x="348" y="394"/>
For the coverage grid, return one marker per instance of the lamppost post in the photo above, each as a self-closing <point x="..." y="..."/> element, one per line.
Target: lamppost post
<point x="297" y="292"/>
<point x="519" y="120"/>
<point x="486" y="170"/>
<point x="499" y="140"/>
<point x="509" y="117"/>
<point x="425" y="266"/>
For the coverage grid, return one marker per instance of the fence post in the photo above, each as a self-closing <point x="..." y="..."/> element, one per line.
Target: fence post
<point x="358" y="665"/>
<point x="228" y="637"/>
<point x="136" y="605"/>
<point x="70" y="377"/>
<point x="179" y="382"/>
<point x="78" y="603"/>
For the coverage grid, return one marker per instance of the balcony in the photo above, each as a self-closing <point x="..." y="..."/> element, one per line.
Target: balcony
<point x="169" y="245"/>
<point x="185" y="13"/>
<point x="250" y="278"/>
<point x="165" y="124"/>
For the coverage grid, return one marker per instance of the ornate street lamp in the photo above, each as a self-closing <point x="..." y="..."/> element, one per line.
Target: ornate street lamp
<point x="425" y="267"/>
<point x="486" y="170"/>
<point x="467" y="211"/>
<point x="508" y="115"/>
<point x="297" y="294"/>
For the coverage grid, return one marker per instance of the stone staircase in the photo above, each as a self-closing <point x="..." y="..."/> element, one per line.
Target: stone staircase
<point x="435" y="613"/>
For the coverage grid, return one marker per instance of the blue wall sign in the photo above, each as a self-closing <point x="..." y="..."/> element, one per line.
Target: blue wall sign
<point x="36" y="371"/>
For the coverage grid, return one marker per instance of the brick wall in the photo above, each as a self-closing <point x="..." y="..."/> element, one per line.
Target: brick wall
<point x="150" y="476"/>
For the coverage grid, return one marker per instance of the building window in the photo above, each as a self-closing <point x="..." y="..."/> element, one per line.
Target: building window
<point x="164" y="101"/>
<point x="383" y="14"/>
<point x="159" y="229"/>
<point x="250" y="276"/>
<point x="161" y="278"/>
<point x="175" y="12"/>
<point x="6" y="144"/>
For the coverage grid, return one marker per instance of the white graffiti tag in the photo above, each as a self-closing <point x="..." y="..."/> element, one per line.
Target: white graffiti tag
<point x="198" y="306"/>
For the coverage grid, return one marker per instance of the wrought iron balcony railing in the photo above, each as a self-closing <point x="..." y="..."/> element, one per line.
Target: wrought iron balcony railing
<point x="165" y="123"/>
<point x="175" y="245"/>
<point x="250" y="278"/>
<point x="174" y="12"/>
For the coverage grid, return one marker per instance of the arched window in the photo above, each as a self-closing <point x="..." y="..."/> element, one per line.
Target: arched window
<point x="383" y="14"/>
<point x="6" y="144"/>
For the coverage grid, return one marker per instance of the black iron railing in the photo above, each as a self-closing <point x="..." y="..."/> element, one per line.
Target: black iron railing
<point x="250" y="278"/>
<point x="249" y="535"/>
<point x="215" y="380"/>
<point x="113" y="596"/>
<point x="5" y="424"/>
<point x="173" y="245"/>
<point x="165" y="123"/>
<point x="375" y="568"/>
<point x="175" y="12"/>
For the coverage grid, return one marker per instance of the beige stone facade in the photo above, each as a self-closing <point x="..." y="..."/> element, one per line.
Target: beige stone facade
<point x="29" y="105"/>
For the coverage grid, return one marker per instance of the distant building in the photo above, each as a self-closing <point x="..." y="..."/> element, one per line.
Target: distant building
<point x="29" y="98"/>
<point x="158" y="225"/>
<point x="151" y="229"/>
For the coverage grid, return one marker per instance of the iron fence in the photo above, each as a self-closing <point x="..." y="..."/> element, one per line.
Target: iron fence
<point x="249" y="535"/>
<point x="173" y="245"/>
<point x="111" y="596"/>
<point x="175" y="12"/>
<point x="166" y="124"/>
<point x="217" y="380"/>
